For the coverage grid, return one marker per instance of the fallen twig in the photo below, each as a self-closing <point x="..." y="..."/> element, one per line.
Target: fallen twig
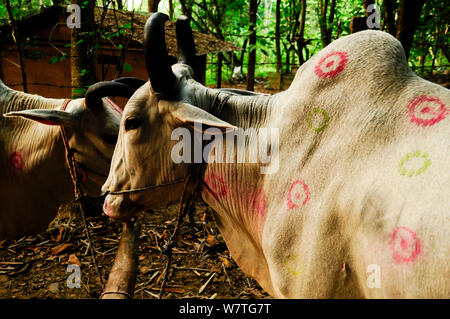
<point x="202" y="288"/>
<point x="192" y="268"/>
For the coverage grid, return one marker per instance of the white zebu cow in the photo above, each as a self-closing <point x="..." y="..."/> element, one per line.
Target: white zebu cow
<point x="360" y="204"/>
<point x="34" y="178"/>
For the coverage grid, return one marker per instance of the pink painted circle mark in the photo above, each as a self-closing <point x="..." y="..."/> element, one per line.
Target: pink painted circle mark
<point x="332" y="64"/>
<point x="405" y="245"/>
<point x="432" y="110"/>
<point x="289" y="200"/>
<point x="259" y="200"/>
<point x="16" y="161"/>
<point x="216" y="184"/>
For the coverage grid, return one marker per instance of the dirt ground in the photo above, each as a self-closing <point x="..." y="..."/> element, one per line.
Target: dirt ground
<point x="36" y="266"/>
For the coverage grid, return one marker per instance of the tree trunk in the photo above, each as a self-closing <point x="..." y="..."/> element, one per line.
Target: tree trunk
<point x="367" y="3"/>
<point x="326" y="28"/>
<point x="389" y="8"/>
<point x="288" y="66"/>
<point x="408" y="22"/>
<point x="301" y="43"/>
<point x="323" y="22"/>
<point x="16" y="38"/>
<point x="244" y="47"/>
<point x="200" y="76"/>
<point x="423" y="56"/>
<point x="252" y="43"/>
<point x="185" y="10"/>
<point x="82" y="55"/>
<point x="153" y="5"/>
<point x="219" y="70"/>
<point x="331" y="20"/>
<point x="171" y="9"/>
<point x="119" y="4"/>
<point x="277" y="35"/>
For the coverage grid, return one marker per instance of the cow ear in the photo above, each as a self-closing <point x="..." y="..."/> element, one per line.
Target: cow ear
<point x="48" y="117"/>
<point x="189" y="114"/>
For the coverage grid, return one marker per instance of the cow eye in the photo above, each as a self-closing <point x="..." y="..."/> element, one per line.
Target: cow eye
<point x="110" y="139"/>
<point x="132" y="123"/>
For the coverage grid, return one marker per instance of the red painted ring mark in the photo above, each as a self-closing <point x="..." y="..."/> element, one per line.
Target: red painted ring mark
<point x="216" y="184"/>
<point x="290" y="201"/>
<point x="16" y="161"/>
<point x="332" y="64"/>
<point x="405" y="245"/>
<point x="439" y="110"/>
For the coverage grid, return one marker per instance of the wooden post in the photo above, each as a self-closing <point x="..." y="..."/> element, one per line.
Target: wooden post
<point x="122" y="278"/>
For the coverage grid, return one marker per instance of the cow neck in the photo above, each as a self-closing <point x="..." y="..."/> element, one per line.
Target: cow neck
<point x="33" y="140"/>
<point x="239" y="110"/>
<point x="38" y="144"/>
<point x="236" y="191"/>
<point x="241" y="196"/>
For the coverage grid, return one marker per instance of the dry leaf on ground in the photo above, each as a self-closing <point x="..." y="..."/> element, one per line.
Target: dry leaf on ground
<point x="225" y="261"/>
<point x="60" y="248"/>
<point x="73" y="259"/>
<point x="211" y="241"/>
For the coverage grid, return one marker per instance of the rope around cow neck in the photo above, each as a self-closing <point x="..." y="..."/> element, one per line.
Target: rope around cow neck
<point x="171" y="243"/>
<point x="72" y="164"/>
<point x="142" y="189"/>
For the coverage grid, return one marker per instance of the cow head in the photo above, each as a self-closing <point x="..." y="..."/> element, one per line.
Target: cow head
<point x="92" y="123"/>
<point x="168" y="101"/>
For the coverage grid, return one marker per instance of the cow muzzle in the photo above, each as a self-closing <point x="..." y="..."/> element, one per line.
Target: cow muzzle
<point x="119" y="207"/>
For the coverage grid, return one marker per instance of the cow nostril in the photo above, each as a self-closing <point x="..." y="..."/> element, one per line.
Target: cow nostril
<point x="106" y="206"/>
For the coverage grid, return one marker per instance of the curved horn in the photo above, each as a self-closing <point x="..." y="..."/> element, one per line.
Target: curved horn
<point x="133" y="82"/>
<point x="185" y="42"/>
<point x="156" y="58"/>
<point x="97" y="91"/>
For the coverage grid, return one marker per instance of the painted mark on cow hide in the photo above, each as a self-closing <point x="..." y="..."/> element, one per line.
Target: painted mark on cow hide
<point x="427" y="110"/>
<point x="405" y="245"/>
<point x="311" y="116"/>
<point x="293" y="265"/>
<point x="258" y="202"/>
<point x="298" y="194"/>
<point x="16" y="161"/>
<point x="216" y="185"/>
<point x="114" y="106"/>
<point x="332" y="64"/>
<point x="424" y="157"/>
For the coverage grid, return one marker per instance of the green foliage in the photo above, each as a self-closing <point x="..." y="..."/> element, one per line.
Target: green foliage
<point x="21" y="9"/>
<point x="127" y="67"/>
<point x="431" y="38"/>
<point x="56" y="59"/>
<point x="228" y="19"/>
<point x="79" y="92"/>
